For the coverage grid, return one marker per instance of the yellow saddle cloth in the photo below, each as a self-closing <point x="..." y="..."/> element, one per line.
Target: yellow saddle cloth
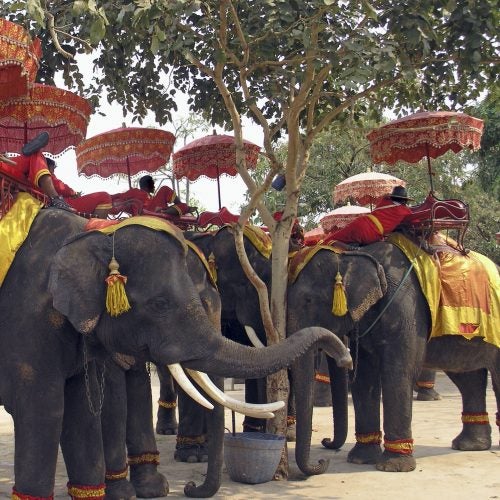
<point x="14" y="228"/>
<point x="463" y="291"/>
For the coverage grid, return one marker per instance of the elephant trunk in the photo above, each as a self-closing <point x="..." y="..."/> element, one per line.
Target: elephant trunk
<point x="230" y="359"/>
<point x="339" y="386"/>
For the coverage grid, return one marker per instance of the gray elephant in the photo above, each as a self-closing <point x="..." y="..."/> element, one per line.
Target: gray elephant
<point x="387" y="322"/>
<point x="55" y="321"/>
<point x="127" y="425"/>
<point x="240" y="303"/>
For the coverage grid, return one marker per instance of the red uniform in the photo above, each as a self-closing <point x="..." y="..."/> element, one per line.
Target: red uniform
<point x="163" y="198"/>
<point x="32" y="167"/>
<point x="372" y="227"/>
<point x="86" y="203"/>
<point x="35" y="166"/>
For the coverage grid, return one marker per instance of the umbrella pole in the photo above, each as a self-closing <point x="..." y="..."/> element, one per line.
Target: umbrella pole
<point x="128" y="173"/>
<point x="429" y="167"/>
<point x="218" y="187"/>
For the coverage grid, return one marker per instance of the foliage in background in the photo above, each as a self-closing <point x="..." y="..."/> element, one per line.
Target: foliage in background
<point x="339" y="153"/>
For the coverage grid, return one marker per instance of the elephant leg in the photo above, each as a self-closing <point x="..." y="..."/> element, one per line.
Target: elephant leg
<point x="495" y="377"/>
<point x="191" y="443"/>
<point x="141" y="443"/>
<point x="424" y="386"/>
<point x="37" y="433"/>
<point x="397" y="389"/>
<point x="255" y="392"/>
<point x="366" y="392"/>
<point x="291" y="418"/>
<point x="114" y="429"/>
<point x="166" y="418"/>
<point x="81" y="437"/>
<point x="476" y="430"/>
<point x="215" y="429"/>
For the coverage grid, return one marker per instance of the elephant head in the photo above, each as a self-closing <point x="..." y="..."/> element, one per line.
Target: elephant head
<point x="166" y="322"/>
<point x="310" y="302"/>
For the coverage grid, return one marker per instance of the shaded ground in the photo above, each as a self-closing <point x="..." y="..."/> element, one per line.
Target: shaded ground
<point x="441" y="472"/>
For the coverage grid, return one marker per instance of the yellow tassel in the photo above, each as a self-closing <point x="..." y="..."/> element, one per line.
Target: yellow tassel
<point x="339" y="297"/>
<point x="116" y="298"/>
<point x="212" y="266"/>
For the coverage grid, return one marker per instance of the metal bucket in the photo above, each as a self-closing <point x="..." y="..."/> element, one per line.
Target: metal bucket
<point x="252" y="457"/>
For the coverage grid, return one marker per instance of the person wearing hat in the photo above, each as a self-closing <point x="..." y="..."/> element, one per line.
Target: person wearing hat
<point x="32" y="164"/>
<point x="384" y="218"/>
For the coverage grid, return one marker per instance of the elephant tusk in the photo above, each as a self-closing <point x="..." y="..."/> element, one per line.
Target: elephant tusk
<point x="249" y="409"/>
<point x="182" y="379"/>
<point x="253" y="337"/>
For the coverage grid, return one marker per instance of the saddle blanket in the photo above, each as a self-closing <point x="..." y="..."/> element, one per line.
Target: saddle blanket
<point x="14" y="228"/>
<point x="463" y="291"/>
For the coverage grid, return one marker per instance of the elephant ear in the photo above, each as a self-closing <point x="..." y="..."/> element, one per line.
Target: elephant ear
<point x="364" y="281"/>
<point x="76" y="281"/>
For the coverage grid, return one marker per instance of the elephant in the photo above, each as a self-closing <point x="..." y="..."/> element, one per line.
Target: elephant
<point x="240" y="303"/>
<point x="51" y="370"/>
<point x="127" y="423"/>
<point x="387" y="324"/>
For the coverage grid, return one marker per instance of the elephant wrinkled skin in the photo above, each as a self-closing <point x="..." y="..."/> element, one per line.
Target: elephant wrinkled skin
<point x="53" y="318"/>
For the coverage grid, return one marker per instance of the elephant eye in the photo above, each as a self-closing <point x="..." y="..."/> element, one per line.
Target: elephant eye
<point x="158" y="304"/>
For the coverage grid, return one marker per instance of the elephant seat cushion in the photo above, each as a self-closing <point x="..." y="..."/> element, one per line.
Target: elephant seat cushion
<point x="462" y="291"/>
<point x="155" y="223"/>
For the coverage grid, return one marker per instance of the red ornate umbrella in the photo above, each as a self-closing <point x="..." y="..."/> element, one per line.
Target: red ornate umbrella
<point x="127" y="150"/>
<point x="427" y="134"/>
<point x="19" y="60"/>
<point x="366" y="188"/>
<point x="341" y="216"/>
<point x="212" y="156"/>
<point x="63" y="114"/>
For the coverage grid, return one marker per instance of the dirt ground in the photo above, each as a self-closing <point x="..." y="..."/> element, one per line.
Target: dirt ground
<point x="441" y="472"/>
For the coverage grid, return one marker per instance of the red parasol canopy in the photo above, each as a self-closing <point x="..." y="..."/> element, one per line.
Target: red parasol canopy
<point x="341" y="216"/>
<point x="427" y="134"/>
<point x="366" y="188"/>
<point x="212" y="156"/>
<point x="19" y="60"/>
<point x="127" y="150"/>
<point x="63" y="114"/>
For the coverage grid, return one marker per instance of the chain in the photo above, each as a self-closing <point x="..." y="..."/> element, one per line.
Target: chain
<point x="92" y="409"/>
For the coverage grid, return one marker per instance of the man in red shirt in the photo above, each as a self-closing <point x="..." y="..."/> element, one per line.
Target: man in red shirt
<point x="96" y="204"/>
<point x="372" y="227"/>
<point x="39" y="170"/>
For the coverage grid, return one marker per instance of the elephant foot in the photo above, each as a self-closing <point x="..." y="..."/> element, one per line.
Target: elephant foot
<point x="166" y="422"/>
<point x="191" y="453"/>
<point x="148" y="482"/>
<point x="120" y="489"/>
<point x="473" y="438"/>
<point x="425" y="394"/>
<point x="364" y="454"/>
<point x="395" y="462"/>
